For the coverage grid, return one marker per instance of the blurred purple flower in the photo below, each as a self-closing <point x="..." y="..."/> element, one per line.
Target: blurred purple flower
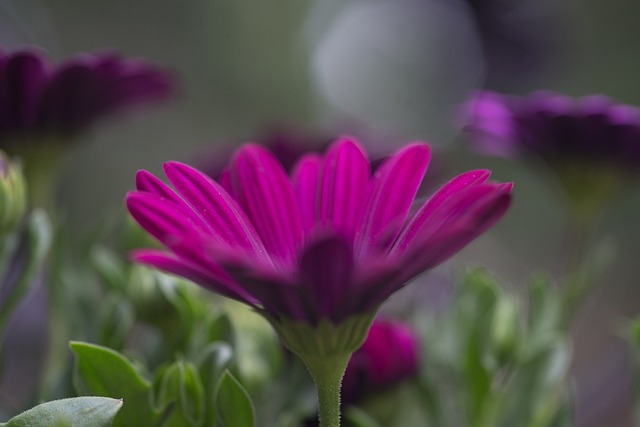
<point x="287" y="143"/>
<point x="38" y="97"/>
<point x="330" y="242"/>
<point x="389" y="355"/>
<point x="591" y="143"/>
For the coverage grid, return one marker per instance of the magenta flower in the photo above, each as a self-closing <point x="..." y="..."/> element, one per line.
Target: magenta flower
<point x="329" y="242"/>
<point x="591" y="143"/>
<point x="38" y="97"/>
<point x="315" y="253"/>
<point x="389" y="355"/>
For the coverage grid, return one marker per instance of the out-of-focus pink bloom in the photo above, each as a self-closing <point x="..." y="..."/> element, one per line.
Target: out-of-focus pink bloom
<point x="389" y="355"/>
<point x="287" y="143"/>
<point x="556" y="127"/>
<point x="329" y="242"/>
<point x="37" y="96"/>
<point x="591" y="143"/>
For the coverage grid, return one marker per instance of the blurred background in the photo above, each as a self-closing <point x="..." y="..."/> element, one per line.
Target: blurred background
<point x="387" y="71"/>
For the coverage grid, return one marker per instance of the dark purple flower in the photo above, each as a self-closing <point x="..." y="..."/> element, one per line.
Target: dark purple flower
<point x="37" y="96"/>
<point x="330" y="242"/>
<point x="389" y="355"/>
<point x="591" y="143"/>
<point x="287" y="143"/>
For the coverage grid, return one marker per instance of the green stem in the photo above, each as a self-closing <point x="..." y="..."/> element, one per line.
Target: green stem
<point x="41" y="161"/>
<point x="327" y="372"/>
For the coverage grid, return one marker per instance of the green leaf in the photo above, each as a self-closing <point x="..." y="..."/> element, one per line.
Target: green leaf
<point x="635" y="332"/>
<point x="219" y="328"/>
<point x="105" y="372"/>
<point x="180" y="395"/>
<point x="358" y="418"/>
<point x="38" y="242"/>
<point x="110" y="268"/>
<point x="536" y="389"/>
<point x="544" y="316"/>
<point x="478" y="381"/>
<point x="233" y="403"/>
<point x="117" y="318"/>
<point x="74" y="412"/>
<point x="191" y="394"/>
<point x="213" y="360"/>
<point x="258" y="351"/>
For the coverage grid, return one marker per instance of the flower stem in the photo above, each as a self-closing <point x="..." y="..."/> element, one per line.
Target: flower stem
<point x="327" y="372"/>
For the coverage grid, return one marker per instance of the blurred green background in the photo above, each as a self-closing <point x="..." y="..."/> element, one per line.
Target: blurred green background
<point x="395" y="67"/>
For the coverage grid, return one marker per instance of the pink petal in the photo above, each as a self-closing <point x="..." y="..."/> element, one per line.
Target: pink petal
<point x="460" y="229"/>
<point x="457" y="206"/>
<point x="264" y="191"/>
<point x="215" y="206"/>
<point x="344" y="187"/>
<point x="261" y="282"/>
<point x="149" y="183"/>
<point x="277" y="295"/>
<point x="392" y="191"/>
<point x="211" y="254"/>
<point x="326" y="268"/>
<point x="224" y="179"/>
<point x="164" y="220"/>
<point x="213" y="279"/>
<point x="372" y="282"/>
<point x="446" y="192"/>
<point x="306" y="182"/>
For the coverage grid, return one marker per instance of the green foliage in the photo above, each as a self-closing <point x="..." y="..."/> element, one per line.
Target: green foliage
<point x="73" y="412"/>
<point x="489" y="361"/>
<point x="233" y="403"/>
<point x="513" y="369"/>
<point x="178" y="391"/>
<point x="21" y="258"/>
<point x="13" y="194"/>
<point x="214" y="359"/>
<point x="104" y="372"/>
<point x="182" y="317"/>
<point x="355" y="417"/>
<point x="633" y="337"/>
<point x="182" y="394"/>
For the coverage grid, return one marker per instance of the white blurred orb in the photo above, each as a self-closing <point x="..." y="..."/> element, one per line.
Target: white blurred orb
<point x="399" y="65"/>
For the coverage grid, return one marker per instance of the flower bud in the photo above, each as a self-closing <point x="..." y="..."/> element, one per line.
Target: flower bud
<point x="389" y="355"/>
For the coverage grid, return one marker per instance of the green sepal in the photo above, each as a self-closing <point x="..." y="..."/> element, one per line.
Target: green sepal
<point x="73" y="412"/>
<point x="326" y="339"/>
